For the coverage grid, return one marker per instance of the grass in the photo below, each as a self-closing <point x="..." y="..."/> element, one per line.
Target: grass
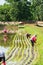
<point x="39" y="31"/>
<point x="29" y="28"/>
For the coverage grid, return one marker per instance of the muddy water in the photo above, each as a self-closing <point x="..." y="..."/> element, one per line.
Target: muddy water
<point x="11" y="63"/>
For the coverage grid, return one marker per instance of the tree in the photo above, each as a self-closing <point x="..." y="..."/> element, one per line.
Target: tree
<point x="21" y="9"/>
<point x="4" y="12"/>
<point x="37" y="8"/>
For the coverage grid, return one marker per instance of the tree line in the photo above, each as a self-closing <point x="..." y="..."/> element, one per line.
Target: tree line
<point x="21" y="10"/>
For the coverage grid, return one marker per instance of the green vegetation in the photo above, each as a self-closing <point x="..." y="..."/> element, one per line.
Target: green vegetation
<point x="24" y="10"/>
<point x="39" y="31"/>
<point x="30" y="28"/>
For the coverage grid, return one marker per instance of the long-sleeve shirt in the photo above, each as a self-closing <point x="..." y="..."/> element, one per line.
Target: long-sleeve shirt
<point x="33" y="38"/>
<point x="2" y="54"/>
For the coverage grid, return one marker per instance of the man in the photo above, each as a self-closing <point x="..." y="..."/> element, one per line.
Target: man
<point x="28" y="35"/>
<point x="5" y="30"/>
<point x="2" y="57"/>
<point x="33" y="39"/>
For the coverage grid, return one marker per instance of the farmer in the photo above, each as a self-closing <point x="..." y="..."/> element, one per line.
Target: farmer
<point x="2" y="58"/>
<point x="33" y="39"/>
<point x="28" y="35"/>
<point x="5" y="30"/>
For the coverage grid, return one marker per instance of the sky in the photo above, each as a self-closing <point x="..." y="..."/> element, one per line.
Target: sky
<point x="2" y="2"/>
